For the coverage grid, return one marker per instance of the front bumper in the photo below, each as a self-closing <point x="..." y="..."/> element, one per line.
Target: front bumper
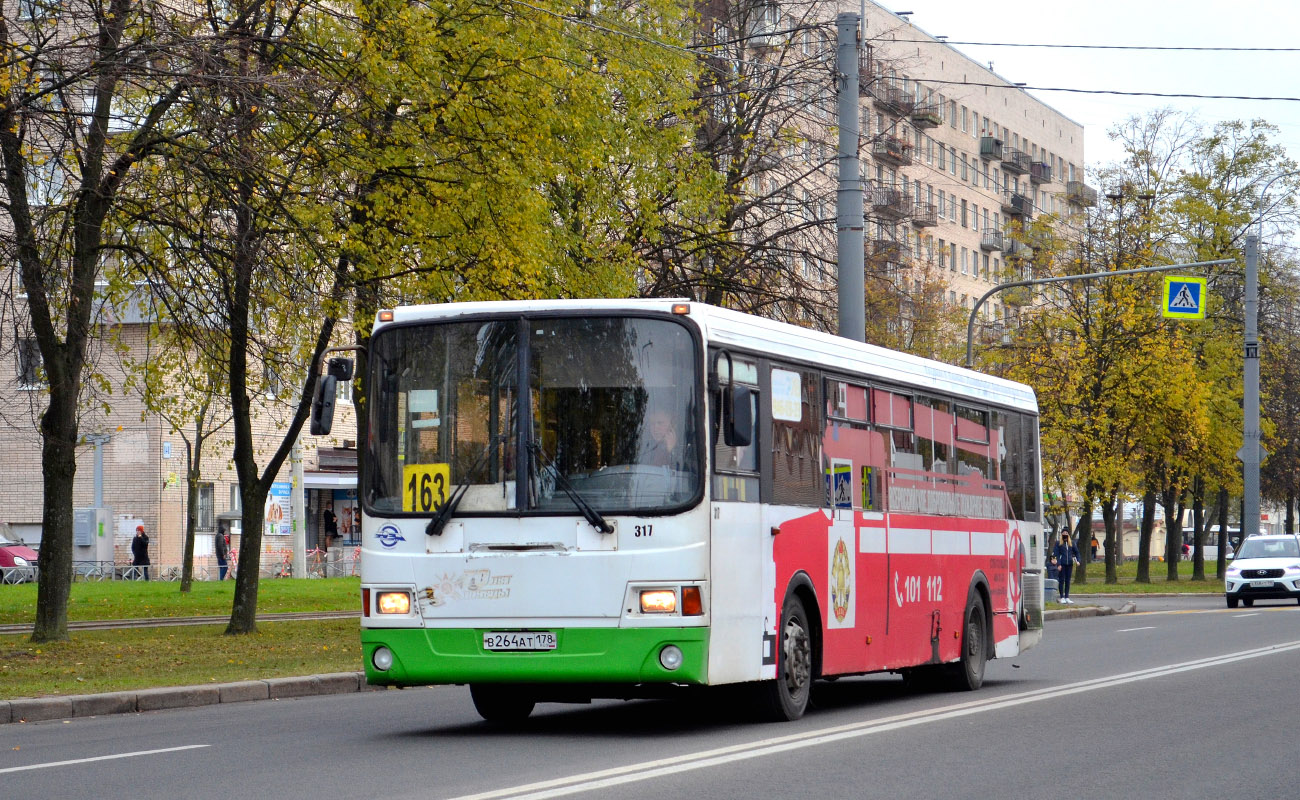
<point x="1278" y="588"/>
<point x="423" y="656"/>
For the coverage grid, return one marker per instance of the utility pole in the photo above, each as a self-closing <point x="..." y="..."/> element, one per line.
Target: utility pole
<point x="848" y="199"/>
<point x="298" y="510"/>
<point x="1251" y="453"/>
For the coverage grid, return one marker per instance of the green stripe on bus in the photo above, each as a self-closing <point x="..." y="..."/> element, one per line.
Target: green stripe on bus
<point x="582" y="655"/>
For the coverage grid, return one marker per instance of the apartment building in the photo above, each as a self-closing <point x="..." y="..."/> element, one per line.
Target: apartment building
<point x="132" y="463"/>
<point x="959" y="161"/>
<point x="956" y="160"/>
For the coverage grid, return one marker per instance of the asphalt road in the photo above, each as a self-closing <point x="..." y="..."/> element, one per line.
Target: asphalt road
<point x="1182" y="699"/>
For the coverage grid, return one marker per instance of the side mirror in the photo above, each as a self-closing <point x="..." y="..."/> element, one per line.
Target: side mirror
<point x="340" y="368"/>
<point x="738" y="416"/>
<point x="322" y="405"/>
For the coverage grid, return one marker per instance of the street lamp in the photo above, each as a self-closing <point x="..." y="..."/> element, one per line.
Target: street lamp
<point x="1251" y="453"/>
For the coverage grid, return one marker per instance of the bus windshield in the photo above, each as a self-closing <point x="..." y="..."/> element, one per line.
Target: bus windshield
<point x="610" y="417"/>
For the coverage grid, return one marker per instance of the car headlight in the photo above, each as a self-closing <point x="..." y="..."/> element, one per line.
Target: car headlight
<point x="19" y="561"/>
<point x="1233" y="572"/>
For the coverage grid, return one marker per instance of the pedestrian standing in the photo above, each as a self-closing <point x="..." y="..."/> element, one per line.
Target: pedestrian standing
<point x="140" y="551"/>
<point x="1094" y="548"/>
<point x="1067" y="556"/>
<point x="331" y="526"/>
<point x="223" y="548"/>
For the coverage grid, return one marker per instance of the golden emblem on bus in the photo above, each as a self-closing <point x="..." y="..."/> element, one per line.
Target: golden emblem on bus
<point x="841" y="587"/>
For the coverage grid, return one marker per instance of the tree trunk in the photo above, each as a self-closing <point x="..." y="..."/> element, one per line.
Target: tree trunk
<point x="1112" y="538"/>
<point x="1173" y="533"/>
<point x="1144" y="536"/>
<point x="1223" y="533"/>
<point x="59" y="468"/>
<point x="1085" y="540"/>
<point x="1198" y="529"/>
<point x="1290" y="513"/>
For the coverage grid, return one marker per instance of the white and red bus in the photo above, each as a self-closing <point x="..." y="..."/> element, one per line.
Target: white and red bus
<point x="607" y="498"/>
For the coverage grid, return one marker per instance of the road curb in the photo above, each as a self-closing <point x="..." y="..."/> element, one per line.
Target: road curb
<point x="1088" y="611"/>
<point x="40" y="709"/>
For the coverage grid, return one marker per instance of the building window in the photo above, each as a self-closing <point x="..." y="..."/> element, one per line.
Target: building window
<point x="206" y="517"/>
<point x="29" y="364"/>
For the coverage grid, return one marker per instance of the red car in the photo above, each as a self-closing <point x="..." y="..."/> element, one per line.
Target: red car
<point x="17" y="562"/>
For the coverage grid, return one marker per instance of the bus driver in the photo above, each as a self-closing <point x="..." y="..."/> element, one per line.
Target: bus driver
<point x="661" y="450"/>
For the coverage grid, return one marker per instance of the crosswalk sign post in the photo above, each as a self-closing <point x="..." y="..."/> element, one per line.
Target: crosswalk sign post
<point x="1184" y="298"/>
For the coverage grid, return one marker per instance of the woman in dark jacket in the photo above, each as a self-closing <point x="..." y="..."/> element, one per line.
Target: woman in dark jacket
<point x="1067" y="555"/>
<point x="140" y="551"/>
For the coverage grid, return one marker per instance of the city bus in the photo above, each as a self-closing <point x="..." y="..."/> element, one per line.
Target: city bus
<point x="575" y="499"/>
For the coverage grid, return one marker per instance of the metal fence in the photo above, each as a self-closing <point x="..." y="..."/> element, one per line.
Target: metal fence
<point x="336" y="563"/>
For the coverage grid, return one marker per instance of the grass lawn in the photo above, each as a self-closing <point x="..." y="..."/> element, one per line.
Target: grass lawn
<point x="142" y="658"/>
<point x="135" y="599"/>
<point x="1127" y="573"/>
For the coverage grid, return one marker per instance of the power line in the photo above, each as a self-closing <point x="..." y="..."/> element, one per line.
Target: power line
<point x="1111" y="91"/>
<point x="1107" y="46"/>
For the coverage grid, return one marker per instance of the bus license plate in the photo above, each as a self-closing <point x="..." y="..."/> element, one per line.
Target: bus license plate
<point x="1262" y="584"/>
<point x="519" y="640"/>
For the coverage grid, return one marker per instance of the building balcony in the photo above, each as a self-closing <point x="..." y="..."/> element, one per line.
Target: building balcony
<point x="889" y="201"/>
<point x="925" y="215"/>
<point x="1080" y="194"/>
<point x="1040" y="172"/>
<point x="1015" y="161"/>
<point x="1017" y="250"/>
<point x="891" y="150"/>
<point x="888" y="253"/>
<point x="892" y="99"/>
<point x="1017" y="205"/>
<point x="926" y="115"/>
<point x="866" y="72"/>
<point x="990" y="148"/>
<point x="1019" y="296"/>
<point x="992" y="239"/>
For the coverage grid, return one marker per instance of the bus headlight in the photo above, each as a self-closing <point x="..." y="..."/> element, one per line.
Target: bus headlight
<point x="658" y="601"/>
<point x="393" y="603"/>
<point x="382" y="659"/>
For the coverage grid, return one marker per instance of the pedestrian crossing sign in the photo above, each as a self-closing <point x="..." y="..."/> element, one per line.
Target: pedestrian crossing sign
<point x="1184" y="298"/>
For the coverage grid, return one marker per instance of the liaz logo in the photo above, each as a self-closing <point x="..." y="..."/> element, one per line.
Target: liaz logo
<point x="388" y="536"/>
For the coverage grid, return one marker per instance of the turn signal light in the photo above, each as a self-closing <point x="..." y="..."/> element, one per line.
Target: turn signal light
<point x="658" y="601"/>
<point x="681" y="308"/>
<point x="393" y="602"/>
<point x="692" y="606"/>
<point x="385" y="316"/>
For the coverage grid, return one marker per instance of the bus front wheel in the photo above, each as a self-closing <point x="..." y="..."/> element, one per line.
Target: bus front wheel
<point x="501" y="703"/>
<point x="786" y="698"/>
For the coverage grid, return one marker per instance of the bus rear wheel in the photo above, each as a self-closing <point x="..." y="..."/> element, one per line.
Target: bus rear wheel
<point x="967" y="674"/>
<point x="501" y="703"/>
<point x="786" y="698"/>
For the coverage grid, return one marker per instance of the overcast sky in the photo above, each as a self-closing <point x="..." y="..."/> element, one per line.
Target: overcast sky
<point x="1192" y="23"/>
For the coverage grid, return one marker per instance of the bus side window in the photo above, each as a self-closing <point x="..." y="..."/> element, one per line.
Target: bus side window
<point x="735" y="469"/>
<point x="934" y="434"/>
<point x="797" y="469"/>
<point x="852" y="475"/>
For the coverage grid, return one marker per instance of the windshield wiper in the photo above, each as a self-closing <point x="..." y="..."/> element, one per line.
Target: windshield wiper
<point x="439" y="521"/>
<point x="592" y="515"/>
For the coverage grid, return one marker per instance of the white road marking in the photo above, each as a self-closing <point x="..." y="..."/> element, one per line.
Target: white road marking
<point x="631" y="773"/>
<point x="1251" y="614"/>
<point x="72" y="761"/>
<point x="1130" y="630"/>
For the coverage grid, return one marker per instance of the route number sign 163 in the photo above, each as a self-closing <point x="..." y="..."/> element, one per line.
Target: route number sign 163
<point x="425" y="487"/>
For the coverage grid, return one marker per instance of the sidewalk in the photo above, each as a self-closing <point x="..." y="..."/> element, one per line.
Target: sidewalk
<point x="37" y="709"/>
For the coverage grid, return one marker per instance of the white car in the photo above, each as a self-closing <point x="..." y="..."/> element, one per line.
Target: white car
<point x="1266" y="568"/>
